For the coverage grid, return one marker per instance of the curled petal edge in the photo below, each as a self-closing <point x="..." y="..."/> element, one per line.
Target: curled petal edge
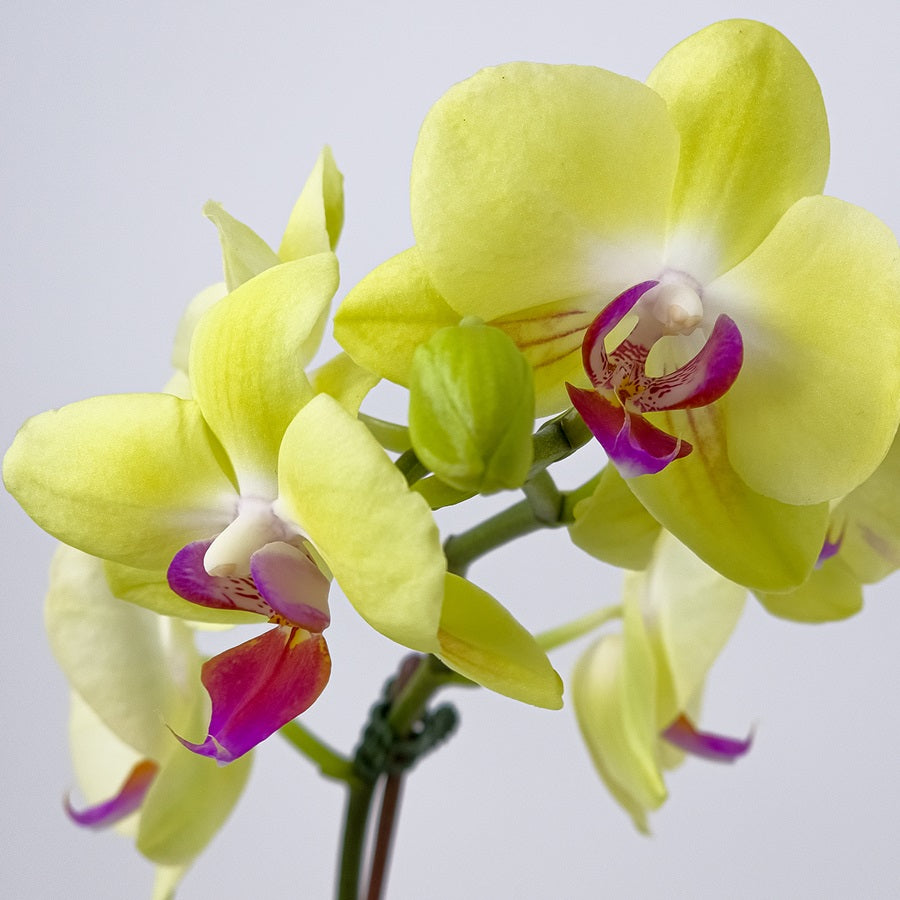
<point x="128" y="799"/>
<point x="633" y="445"/>
<point x="714" y="747"/>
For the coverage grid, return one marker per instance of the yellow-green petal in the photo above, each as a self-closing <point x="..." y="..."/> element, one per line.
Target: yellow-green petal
<point x="750" y="539"/>
<point x="166" y="881"/>
<point x="133" y="668"/>
<point x="549" y="337"/>
<point x="100" y="758"/>
<point x="613" y="526"/>
<point x="690" y="612"/>
<point x="481" y="640"/>
<point x="439" y="494"/>
<point x="614" y="693"/>
<point x="244" y="253"/>
<point x="198" y="305"/>
<point x="816" y="404"/>
<point x="128" y="477"/>
<point x="830" y="594"/>
<point x="868" y="520"/>
<point x="535" y="183"/>
<point x="247" y="359"/>
<point x="754" y="139"/>
<point x="389" y="313"/>
<point x="344" y="380"/>
<point x="188" y="802"/>
<point x="376" y="536"/>
<point x="318" y="215"/>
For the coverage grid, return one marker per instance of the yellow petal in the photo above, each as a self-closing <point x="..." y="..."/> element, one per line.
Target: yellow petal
<point x="750" y="539"/>
<point x="344" y="380"/>
<point x="121" y="659"/>
<point x="613" y="526"/>
<point x="816" y="404"/>
<point x="247" y="359"/>
<point x="690" y="612"/>
<point x="388" y="314"/>
<point x="614" y="693"/>
<point x="869" y="519"/>
<point x="536" y="183"/>
<point x="481" y="640"/>
<point x="187" y="803"/>
<point x="130" y="477"/>
<point x="245" y="254"/>
<point x="754" y="139"/>
<point x="318" y="215"/>
<point x="830" y="594"/>
<point x="376" y="536"/>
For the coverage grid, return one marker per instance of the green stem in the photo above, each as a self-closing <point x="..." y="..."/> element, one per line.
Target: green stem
<point x="391" y="793"/>
<point x="390" y="435"/>
<point x="541" y="508"/>
<point x="329" y="762"/>
<point x="464" y="548"/>
<point x="411" y="467"/>
<point x="544" y="497"/>
<point x="562" y="634"/>
<point x="415" y="692"/>
<point x="559" y="438"/>
<point x="419" y="677"/>
<point x="356" y="819"/>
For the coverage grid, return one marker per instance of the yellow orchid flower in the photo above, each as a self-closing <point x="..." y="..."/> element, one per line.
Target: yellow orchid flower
<point x="254" y="490"/>
<point x="636" y="693"/>
<point x="730" y="335"/>
<point x="132" y="671"/>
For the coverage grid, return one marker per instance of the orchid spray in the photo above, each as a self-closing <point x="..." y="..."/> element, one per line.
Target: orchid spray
<point x="652" y="266"/>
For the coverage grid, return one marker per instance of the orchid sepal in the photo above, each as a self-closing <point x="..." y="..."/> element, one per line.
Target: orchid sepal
<point x="612" y="525"/>
<point x="481" y="640"/>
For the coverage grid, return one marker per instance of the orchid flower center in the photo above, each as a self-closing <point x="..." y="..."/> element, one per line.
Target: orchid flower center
<point x="676" y="306"/>
<point x="255" y="525"/>
<point x="624" y="391"/>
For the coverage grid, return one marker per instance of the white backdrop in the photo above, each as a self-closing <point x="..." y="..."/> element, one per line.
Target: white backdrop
<point x="118" y="121"/>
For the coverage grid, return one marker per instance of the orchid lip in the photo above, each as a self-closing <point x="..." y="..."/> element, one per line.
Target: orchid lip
<point x="623" y="391"/>
<point x="258" y="687"/>
<point x="283" y="584"/>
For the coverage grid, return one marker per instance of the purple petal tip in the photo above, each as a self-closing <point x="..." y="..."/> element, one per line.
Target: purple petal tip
<point x="128" y="799"/>
<point x="717" y="748"/>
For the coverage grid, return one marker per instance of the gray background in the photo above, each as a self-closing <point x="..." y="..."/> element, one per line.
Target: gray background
<point x="118" y="121"/>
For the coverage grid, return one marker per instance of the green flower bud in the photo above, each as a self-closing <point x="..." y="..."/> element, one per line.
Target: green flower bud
<point x="471" y="408"/>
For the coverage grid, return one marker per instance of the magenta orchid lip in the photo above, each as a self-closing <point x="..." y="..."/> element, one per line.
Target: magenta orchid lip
<point x="623" y="391"/>
<point x="260" y="685"/>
